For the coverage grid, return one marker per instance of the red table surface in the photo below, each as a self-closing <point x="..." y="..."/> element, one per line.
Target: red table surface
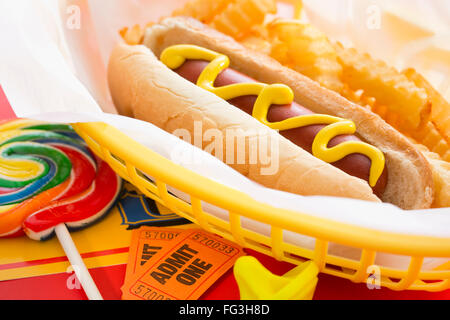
<point x="110" y="279"/>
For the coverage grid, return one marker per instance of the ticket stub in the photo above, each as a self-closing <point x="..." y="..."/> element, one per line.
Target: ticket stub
<point x="147" y="243"/>
<point x="175" y="264"/>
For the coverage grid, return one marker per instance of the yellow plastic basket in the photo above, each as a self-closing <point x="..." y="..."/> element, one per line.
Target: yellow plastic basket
<point x="131" y="159"/>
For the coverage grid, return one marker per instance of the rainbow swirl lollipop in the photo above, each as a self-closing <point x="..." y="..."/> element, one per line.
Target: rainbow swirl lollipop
<point x="47" y="177"/>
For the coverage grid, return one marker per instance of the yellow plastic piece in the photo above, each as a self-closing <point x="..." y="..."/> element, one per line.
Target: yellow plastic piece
<point x="130" y="159"/>
<point x="257" y="283"/>
<point x="175" y="56"/>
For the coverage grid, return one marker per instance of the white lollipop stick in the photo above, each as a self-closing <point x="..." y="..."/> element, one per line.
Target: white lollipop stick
<point x="77" y="263"/>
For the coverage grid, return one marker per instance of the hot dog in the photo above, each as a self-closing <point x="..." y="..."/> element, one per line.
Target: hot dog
<point x="355" y="164"/>
<point x="146" y="85"/>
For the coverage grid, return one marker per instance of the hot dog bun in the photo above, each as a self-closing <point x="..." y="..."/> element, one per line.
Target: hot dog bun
<point x="143" y="87"/>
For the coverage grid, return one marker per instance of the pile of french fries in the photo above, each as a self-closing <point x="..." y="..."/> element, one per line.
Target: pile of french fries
<point x="404" y="99"/>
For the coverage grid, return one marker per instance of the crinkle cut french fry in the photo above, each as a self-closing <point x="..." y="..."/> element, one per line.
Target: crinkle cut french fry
<point x="441" y="177"/>
<point x="235" y="18"/>
<point x="202" y="10"/>
<point x="388" y="86"/>
<point x="133" y="35"/>
<point x="358" y="97"/>
<point x="240" y="16"/>
<point x="307" y="50"/>
<point x="257" y="43"/>
<point x="427" y="134"/>
<point x="440" y="109"/>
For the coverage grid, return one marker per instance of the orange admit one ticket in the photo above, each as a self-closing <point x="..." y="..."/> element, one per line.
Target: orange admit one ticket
<point x="175" y="264"/>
